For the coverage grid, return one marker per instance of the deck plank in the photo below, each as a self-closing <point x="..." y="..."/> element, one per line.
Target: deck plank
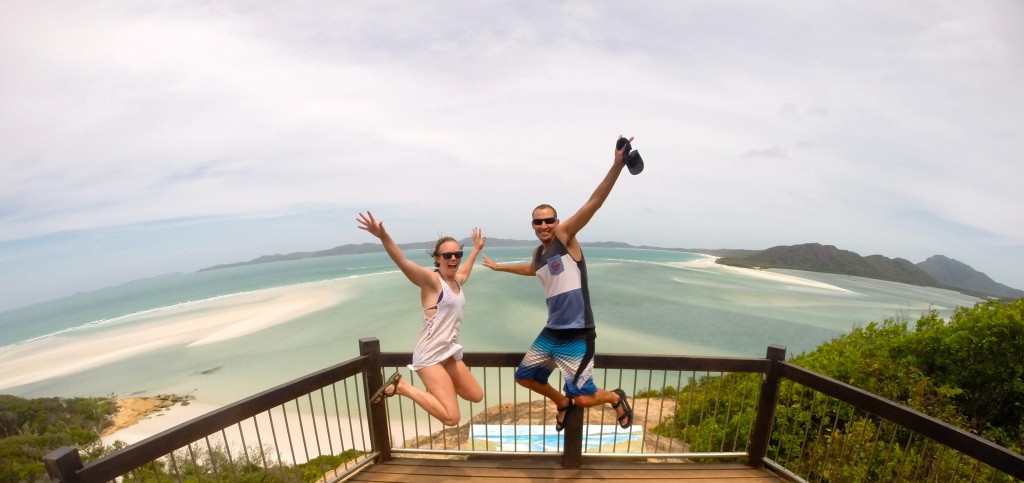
<point x="523" y="471"/>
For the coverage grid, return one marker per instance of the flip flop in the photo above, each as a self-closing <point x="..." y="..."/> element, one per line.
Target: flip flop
<point x="560" y="425"/>
<point x="392" y="381"/>
<point x="627" y="411"/>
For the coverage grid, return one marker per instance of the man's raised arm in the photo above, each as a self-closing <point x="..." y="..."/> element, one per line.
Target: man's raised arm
<point x="576" y="222"/>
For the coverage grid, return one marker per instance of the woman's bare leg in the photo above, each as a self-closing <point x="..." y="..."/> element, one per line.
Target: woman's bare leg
<point x="465" y="384"/>
<point x="439" y="398"/>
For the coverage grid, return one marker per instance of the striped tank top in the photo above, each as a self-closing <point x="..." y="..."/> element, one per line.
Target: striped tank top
<point x="565" y="287"/>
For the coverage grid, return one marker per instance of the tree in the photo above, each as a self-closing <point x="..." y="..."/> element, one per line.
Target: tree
<point x="977" y="357"/>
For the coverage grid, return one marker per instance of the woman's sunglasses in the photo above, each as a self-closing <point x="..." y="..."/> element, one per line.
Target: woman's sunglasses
<point x="449" y="255"/>
<point x="539" y="221"/>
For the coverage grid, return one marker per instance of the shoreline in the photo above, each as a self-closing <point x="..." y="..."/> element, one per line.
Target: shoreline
<point x="709" y="262"/>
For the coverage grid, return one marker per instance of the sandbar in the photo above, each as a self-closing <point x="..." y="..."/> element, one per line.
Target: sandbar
<point x="204" y="322"/>
<point x="708" y="263"/>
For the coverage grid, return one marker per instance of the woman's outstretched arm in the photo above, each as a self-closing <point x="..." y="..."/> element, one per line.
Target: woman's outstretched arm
<point x="467" y="265"/>
<point x="420" y="276"/>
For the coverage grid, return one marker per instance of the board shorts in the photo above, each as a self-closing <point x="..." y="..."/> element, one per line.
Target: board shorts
<point x="571" y="351"/>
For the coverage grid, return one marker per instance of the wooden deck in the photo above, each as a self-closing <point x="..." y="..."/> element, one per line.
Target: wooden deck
<point x="522" y="471"/>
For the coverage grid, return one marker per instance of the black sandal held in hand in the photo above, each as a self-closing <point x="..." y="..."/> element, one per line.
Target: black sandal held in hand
<point x="392" y="381"/>
<point x="627" y="411"/>
<point x="560" y="425"/>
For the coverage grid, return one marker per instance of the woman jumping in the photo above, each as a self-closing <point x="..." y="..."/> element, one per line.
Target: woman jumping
<point x="437" y="358"/>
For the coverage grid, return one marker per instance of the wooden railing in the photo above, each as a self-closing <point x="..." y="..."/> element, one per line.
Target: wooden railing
<point x="763" y="411"/>
<point x="636" y="374"/>
<point x="853" y="435"/>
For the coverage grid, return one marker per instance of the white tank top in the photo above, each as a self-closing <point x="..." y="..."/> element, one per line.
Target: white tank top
<point x="439" y="337"/>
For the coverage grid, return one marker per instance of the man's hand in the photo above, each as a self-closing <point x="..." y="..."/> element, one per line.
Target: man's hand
<point x="620" y="154"/>
<point x="376" y="228"/>
<point x="489" y="263"/>
<point x="526" y="269"/>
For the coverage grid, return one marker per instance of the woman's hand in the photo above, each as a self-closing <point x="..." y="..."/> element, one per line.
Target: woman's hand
<point x="376" y="228"/>
<point x="478" y="240"/>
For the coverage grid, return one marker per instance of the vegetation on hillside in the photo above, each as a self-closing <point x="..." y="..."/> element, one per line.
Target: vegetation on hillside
<point x="198" y="464"/>
<point x="31" y="428"/>
<point x="961" y="276"/>
<point x="967" y="371"/>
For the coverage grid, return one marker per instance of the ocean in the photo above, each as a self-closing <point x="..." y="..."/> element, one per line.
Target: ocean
<point x="225" y="334"/>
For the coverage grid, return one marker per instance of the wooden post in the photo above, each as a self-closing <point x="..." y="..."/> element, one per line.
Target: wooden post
<point x="572" y="445"/>
<point x="379" y="437"/>
<point x="62" y="464"/>
<point x="766" y="403"/>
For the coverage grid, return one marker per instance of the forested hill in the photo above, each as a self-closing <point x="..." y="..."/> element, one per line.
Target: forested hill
<point x="960" y="275"/>
<point x="815" y="257"/>
<point x="938" y="271"/>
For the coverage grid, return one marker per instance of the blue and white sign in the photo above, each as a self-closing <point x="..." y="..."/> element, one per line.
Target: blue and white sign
<point x="541" y="438"/>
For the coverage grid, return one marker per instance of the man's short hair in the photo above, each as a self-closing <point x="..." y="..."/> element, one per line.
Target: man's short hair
<point x="545" y="206"/>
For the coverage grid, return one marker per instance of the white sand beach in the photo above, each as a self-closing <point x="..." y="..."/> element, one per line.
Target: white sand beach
<point x="194" y="324"/>
<point x="297" y="438"/>
<point x="708" y="264"/>
<point x="296" y="435"/>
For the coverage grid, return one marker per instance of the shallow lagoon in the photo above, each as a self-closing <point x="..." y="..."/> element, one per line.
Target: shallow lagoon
<point x="226" y="334"/>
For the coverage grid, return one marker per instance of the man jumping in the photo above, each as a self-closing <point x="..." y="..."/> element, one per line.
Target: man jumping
<point x="567" y="341"/>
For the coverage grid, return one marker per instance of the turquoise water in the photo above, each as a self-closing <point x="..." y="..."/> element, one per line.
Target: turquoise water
<point x="643" y="302"/>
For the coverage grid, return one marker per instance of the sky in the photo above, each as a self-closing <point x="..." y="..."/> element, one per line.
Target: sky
<point x="144" y="138"/>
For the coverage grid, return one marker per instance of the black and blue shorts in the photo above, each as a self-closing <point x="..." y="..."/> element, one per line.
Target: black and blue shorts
<point x="571" y="351"/>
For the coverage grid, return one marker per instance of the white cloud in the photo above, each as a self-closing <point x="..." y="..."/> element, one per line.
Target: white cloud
<point x="465" y="114"/>
<point x="772" y="152"/>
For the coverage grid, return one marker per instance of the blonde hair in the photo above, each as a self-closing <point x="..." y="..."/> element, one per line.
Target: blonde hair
<point x="436" y="252"/>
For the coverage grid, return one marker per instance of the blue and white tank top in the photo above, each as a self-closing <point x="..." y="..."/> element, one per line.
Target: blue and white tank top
<point x="565" y="287"/>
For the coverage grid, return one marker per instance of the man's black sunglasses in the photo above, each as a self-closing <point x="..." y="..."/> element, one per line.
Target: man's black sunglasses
<point x="539" y="221"/>
<point x="449" y="255"/>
